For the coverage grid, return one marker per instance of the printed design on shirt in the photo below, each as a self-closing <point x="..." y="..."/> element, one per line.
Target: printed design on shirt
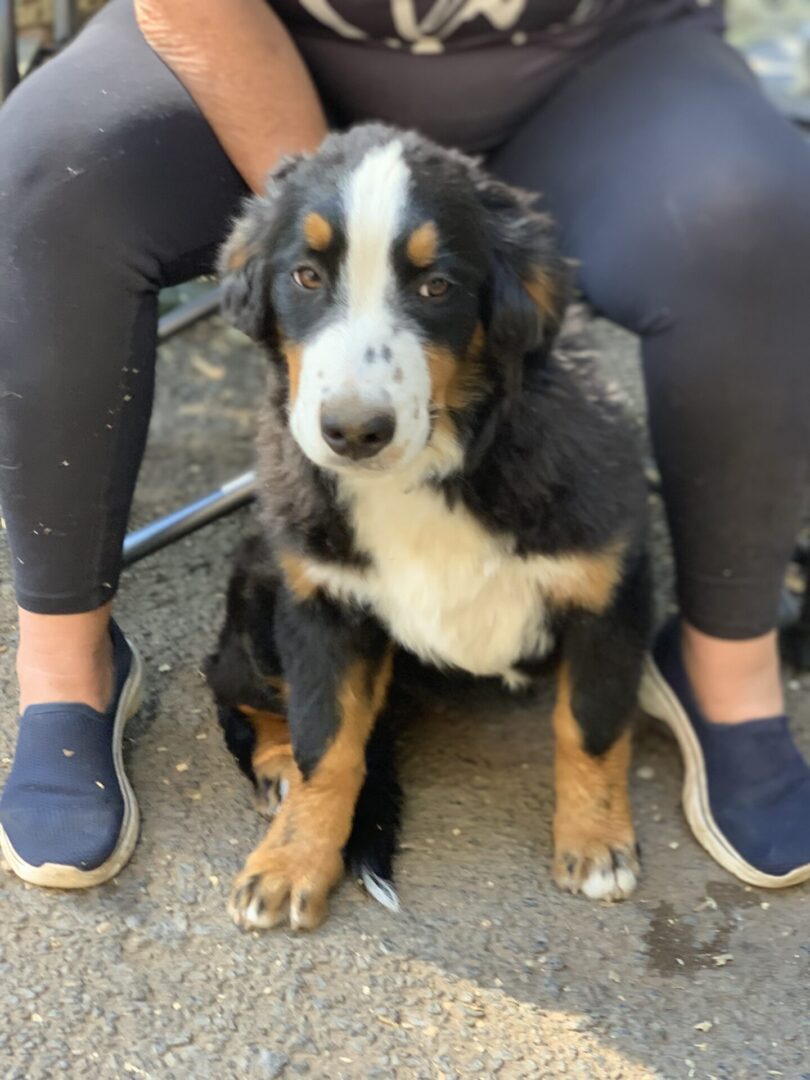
<point x="323" y="11"/>
<point x="442" y="20"/>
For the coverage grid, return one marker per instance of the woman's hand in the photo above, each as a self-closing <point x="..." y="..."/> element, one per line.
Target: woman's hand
<point x="240" y="65"/>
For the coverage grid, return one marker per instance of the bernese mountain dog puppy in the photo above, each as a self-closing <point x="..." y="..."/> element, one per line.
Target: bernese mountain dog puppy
<point x="440" y="472"/>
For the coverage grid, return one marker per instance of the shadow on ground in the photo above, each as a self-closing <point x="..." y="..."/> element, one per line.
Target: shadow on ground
<point x="487" y="972"/>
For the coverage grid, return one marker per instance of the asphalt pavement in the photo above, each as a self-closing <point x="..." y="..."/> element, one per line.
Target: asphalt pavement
<point x="487" y="971"/>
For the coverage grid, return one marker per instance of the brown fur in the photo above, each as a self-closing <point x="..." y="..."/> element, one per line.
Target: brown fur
<point x="270" y="728"/>
<point x="292" y="357"/>
<point x="544" y="291"/>
<point x="299" y="861"/>
<point x="296" y="576"/>
<point x="318" y="233"/>
<point x="588" y="580"/>
<point x="423" y="245"/>
<point x="455" y="383"/>
<point x="272" y="758"/>
<point x="592" y="821"/>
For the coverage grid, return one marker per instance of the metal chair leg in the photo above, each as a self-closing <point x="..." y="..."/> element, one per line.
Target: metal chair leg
<point x="65" y="22"/>
<point x="227" y="498"/>
<point x="9" y="75"/>
<point x="187" y="314"/>
<point x="159" y="534"/>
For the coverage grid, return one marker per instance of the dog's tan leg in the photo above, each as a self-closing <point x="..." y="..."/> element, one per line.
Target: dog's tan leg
<point x="273" y="763"/>
<point x="594" y="841"/>
<point x="290" y="874"/>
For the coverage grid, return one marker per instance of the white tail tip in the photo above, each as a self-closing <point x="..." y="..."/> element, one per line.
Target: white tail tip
<point x="382" y="891"/>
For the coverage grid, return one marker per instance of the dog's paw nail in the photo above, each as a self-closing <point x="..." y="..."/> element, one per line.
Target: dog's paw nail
<point x="600" y="872"/>
<point x="250" y="906"/>
<point x="293" y="885"/>
<point x="601" y="884"/>
<point x="273" y="782"/>
<point x="268" y="798"/>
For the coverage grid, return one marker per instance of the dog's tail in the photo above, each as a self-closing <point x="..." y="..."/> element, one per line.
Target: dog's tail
<point x="372" y="845"/>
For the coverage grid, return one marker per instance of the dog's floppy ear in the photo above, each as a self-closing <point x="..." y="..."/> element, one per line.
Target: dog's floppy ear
<point x="243" y="270"/>
<point x="530" y="283"/>
<point x="244" y="266"/>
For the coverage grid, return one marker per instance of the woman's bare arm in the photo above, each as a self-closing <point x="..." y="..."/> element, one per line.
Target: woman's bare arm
<point x="239" y="64"/>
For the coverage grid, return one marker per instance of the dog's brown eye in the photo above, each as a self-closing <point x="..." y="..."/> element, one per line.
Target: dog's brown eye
<point x="307" y="278"/>
<point x="434" y="287"/>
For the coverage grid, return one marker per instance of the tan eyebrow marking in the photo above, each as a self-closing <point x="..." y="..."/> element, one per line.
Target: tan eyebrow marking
<point x="544" y="291"/>
<point x="318" y="232"/>
<point x="423" y="245"/>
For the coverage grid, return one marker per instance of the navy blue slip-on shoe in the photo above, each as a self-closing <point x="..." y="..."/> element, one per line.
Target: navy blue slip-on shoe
<point x="68" y="815"/>
<point x="746" y="788"/>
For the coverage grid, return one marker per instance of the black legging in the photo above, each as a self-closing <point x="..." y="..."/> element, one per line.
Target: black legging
<point x="682" y="193"/>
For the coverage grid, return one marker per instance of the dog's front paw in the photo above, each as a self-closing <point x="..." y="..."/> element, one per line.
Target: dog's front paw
<point x="598" y="869"/>
<point x="276" y="774"/>
<point x="287" y="883"/>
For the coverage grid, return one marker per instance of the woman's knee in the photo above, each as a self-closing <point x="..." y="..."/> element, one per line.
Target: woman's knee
<point x="64" y="253"/>
<point x="736" y="213"/>
<point x="725" y="230"/>
<point x="45" y="160"/>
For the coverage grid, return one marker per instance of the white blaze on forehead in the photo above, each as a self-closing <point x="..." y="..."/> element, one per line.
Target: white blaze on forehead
<point x="374" y="198"/>
<point x="357" y="355"/>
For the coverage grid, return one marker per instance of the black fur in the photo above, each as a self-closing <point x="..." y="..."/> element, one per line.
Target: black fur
<point x="604" y="655"/>
<point x="318" y="641"/>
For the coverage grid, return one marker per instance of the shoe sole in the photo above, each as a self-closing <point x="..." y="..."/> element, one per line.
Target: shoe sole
<point x="59" y="876"/>
<point x="658" y="700"/>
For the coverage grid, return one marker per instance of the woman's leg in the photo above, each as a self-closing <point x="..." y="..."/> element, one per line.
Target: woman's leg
<point x="111" y="186"/>
<point x="687" y="200"/>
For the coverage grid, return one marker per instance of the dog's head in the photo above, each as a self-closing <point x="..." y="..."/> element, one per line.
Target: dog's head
<point x="403" y="288"/>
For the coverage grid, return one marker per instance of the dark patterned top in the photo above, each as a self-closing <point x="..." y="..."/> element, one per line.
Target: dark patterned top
<point x="428" y="27"/>
<point x="463" y="71"/>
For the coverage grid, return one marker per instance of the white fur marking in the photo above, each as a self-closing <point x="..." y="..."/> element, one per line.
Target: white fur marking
<point x="626" y="881"/>
<point x="598" y="884"/>
<point x="446" y="588"/>
<point x="341" y="348"/>
<point x="380" y="890"/>
<point x="375" y="198"/>
<point x="254" y="916"/>
<point x="603" y="884"/>
<point x="515" y="680"/>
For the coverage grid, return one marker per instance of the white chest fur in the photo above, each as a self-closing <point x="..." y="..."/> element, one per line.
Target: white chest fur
<point x="447" y="589"/>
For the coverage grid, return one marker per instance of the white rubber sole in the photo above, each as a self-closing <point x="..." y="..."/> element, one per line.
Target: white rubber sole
<point x="58" y="876"/>
<point x="657" y="699"/>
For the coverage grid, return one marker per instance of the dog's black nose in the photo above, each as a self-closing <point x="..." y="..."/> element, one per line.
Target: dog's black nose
<point x="355" y="430"/>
